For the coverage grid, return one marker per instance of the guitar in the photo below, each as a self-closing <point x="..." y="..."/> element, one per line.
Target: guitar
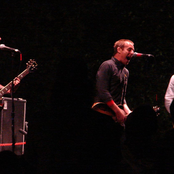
<point x="105" y="109"/>
<point x="31" y="66"/>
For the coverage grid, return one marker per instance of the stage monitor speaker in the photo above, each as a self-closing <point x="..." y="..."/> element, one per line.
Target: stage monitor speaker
<point x="20" y="124"/>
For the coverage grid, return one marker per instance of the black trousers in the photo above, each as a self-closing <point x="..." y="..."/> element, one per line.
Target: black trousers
<point x="102" y="140"/>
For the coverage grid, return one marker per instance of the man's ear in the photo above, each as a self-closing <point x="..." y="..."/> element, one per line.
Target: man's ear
<point x="119" y="49"/>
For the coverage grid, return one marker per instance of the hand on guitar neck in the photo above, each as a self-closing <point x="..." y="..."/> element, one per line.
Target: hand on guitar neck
<point x="31" y="66"/>
<point x="16" y="82"/>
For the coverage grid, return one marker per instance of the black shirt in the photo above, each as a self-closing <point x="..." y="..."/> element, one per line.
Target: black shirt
<point x="111" y="81"/>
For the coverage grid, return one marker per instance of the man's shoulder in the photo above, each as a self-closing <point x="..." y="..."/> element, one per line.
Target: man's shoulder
<point x="108" y="62"/>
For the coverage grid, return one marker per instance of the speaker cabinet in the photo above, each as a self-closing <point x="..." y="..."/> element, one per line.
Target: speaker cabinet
<point x="6" y="133"/>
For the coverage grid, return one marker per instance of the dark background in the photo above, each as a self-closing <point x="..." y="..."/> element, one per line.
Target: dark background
<point x="69" y="40"/>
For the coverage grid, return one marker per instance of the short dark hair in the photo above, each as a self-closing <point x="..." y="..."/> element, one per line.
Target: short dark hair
<point x="120" y="43"/>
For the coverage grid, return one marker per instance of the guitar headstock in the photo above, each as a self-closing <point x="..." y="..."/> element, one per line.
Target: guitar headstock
<point x="157" y="110"/>
<point x="32" y="65"/>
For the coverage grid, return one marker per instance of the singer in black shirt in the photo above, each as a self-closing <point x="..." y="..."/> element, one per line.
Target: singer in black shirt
<point x="103" y="132"/>
<point x="114" y="72"/>
<point x="112" y="77"/>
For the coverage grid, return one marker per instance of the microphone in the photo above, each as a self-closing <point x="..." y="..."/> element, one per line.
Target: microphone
<point x="4" y="47"/>
<point x="142" y="55"/>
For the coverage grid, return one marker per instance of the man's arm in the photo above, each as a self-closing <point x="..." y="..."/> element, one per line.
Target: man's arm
<point x="1" y="86"/>
<point x="16" y="83"/>
<point x="169" y="95"/>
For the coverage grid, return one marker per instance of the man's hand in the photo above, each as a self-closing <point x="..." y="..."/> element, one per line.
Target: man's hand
<point x="120" y="116"/>
<point x="16" y="81"/>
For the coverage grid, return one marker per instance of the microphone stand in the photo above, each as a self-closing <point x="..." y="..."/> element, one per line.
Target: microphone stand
<point x="12" y="116"/>
<point x="13" y="105"/>
<point x="13" y="108"/>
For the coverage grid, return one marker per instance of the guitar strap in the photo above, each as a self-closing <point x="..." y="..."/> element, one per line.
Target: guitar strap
<point x="123" y="89"/>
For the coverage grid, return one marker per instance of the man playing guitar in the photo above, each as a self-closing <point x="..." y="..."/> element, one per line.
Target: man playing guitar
<point x="16" y="82"/>
<point x="111" y="80"/>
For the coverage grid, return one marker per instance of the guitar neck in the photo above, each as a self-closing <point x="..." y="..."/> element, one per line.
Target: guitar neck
<point x="9" y="85"/>
<point x="23" y="74"/>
